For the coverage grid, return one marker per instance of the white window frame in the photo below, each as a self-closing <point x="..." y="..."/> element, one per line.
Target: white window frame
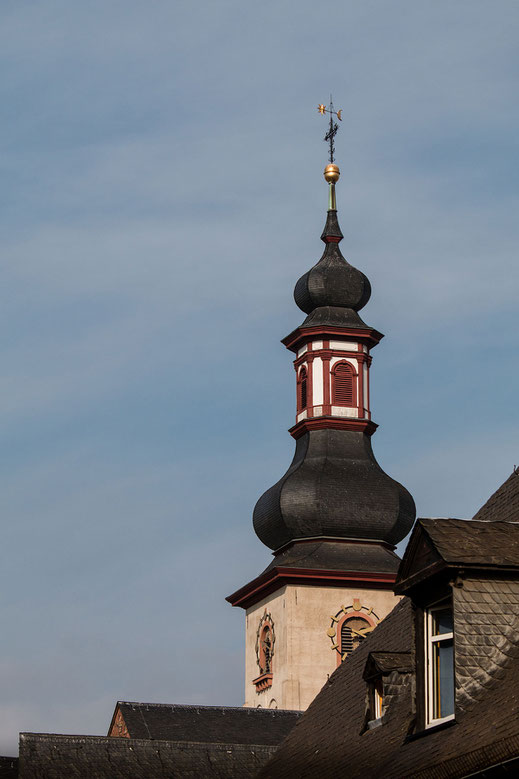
<point x="430" y="642"/>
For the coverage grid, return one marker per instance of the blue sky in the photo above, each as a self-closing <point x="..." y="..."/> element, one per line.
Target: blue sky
<point x="161" y="193"/>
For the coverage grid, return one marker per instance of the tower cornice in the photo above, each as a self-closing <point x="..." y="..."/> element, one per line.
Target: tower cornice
<point x="332" y="423"/>
<point x="274" y="578"/>
<point x="301" y="335"/>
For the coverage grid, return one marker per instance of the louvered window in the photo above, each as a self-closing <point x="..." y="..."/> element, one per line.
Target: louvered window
<point x="351" y="634"/>
<point x="303" y="389"/>
<point x="343" y="385"/>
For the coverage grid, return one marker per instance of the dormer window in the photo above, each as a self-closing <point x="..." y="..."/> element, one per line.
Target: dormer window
<point x="439" y="664"/>
<point x="382" y="673"/>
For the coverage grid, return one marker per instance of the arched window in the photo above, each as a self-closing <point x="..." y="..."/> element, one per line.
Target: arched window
<point x="352" y="633"/>
<point x="302" y="389"/>
<point x="343" y="385"/>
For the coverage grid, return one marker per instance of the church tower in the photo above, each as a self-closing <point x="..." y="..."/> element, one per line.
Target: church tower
<point x="334" y="518"/>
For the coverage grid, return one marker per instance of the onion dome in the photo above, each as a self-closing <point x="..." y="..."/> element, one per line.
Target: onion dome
<point x="332" y="281"/>
<point x="334" y="488"/>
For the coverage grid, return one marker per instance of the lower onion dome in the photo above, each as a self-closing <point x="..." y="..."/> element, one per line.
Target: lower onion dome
<point x="334" y="488"/>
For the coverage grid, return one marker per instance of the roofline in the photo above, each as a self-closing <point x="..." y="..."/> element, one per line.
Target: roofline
<point x="126" y="742"/>
<point x="441" y="566"/>
<point x="368" y="334"/>
<point x="328" y="422"/>
<point x="277" y="577"/>
<point x="247" y="709"/>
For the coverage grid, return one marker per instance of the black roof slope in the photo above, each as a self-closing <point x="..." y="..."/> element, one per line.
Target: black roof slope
<point x="332" y="739"/>
<point x="503" y="505"/>
<point x="8" y="767"/>
<point x="214" y="724"/>
<point x="471" y="542"/>
<point x="49" y="756"/>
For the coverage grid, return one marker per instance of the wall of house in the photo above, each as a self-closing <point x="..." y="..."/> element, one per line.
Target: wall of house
<point x="304" y="617"/>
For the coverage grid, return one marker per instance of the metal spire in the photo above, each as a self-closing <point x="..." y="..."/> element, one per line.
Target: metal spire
<point x="334" y="127"/>
<point x="331" y="172"/>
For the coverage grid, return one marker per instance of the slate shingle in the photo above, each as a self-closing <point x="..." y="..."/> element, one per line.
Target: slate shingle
<point x="214" y="724"/>
<point x="49" y="756"/>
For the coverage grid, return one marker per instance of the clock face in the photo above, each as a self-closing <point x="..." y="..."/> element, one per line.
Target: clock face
<point x="350" y="626"/>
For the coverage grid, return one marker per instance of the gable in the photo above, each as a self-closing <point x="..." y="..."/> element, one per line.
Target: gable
<point x="420" y="558"/>
<point x="118" y="728"/>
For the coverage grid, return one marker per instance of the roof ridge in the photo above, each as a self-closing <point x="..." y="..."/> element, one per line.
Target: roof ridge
<point x="205" y="707"/>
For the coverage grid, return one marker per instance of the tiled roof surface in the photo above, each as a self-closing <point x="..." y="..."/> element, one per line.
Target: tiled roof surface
<point x="48" y="756"/>
<point x="385" y="662"/>
<point x="473" y="542"/>
<point x="334" y="555"/>
<point x="331" y="740"/>
<point x="486" y="634"/>
<point x="8" y="767"/>
<point x="503" y="505"/>
<point x="215" y="724"/>
<point x="327" y="741"/>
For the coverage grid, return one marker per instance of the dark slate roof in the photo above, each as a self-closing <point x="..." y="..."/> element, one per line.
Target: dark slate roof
<point x="440" y="544"/>
<point x="334" y="487"/>
<point x="214" y="724"/>
<point x="48" y="756"/>
<point x="336" y="555"/>
<point x="8" y="767"/>
<point x="503" y="505"/>
<point x="386" y="662"/>
<point x="471" y="542"/>
<point x="332" y="739"/>
<point x="332" y="281"/>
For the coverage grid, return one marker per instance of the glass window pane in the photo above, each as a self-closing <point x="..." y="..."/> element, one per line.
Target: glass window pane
<point x="442" y="622"/>
<point x="443" y="679"/>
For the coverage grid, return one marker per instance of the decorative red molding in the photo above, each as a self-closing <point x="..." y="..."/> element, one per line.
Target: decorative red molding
<point x="367" y="335"/>
<point x="333" y="423"/>
<point x="360" y="400"/>
<point x="263" y="682"/>
<point x="272" y="580"/>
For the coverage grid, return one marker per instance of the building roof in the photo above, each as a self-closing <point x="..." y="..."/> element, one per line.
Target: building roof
<point x="503" y="505"/>
<point x="8" y="767"/>
<point x="334" y="487"/>
<point x="214" y="724"/>
<point x="332" y="739"/>
<point x="438" y="544"/>
<point x="49" y="756"/>
<point x="339" y="556"/>
<point x="333" y="282"/>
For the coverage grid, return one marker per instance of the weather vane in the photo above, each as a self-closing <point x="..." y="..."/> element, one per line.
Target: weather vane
<point x="331" y="172"/>
<point x="334" y="127"/>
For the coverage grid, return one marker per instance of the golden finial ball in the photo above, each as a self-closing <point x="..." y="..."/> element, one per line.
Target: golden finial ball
<point x="332" y="173"/>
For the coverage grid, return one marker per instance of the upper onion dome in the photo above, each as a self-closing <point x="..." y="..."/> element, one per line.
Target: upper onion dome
<point x="332" y="281"/>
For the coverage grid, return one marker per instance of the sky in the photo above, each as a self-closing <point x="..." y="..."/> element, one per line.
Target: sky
<point x="162" y="191"/>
